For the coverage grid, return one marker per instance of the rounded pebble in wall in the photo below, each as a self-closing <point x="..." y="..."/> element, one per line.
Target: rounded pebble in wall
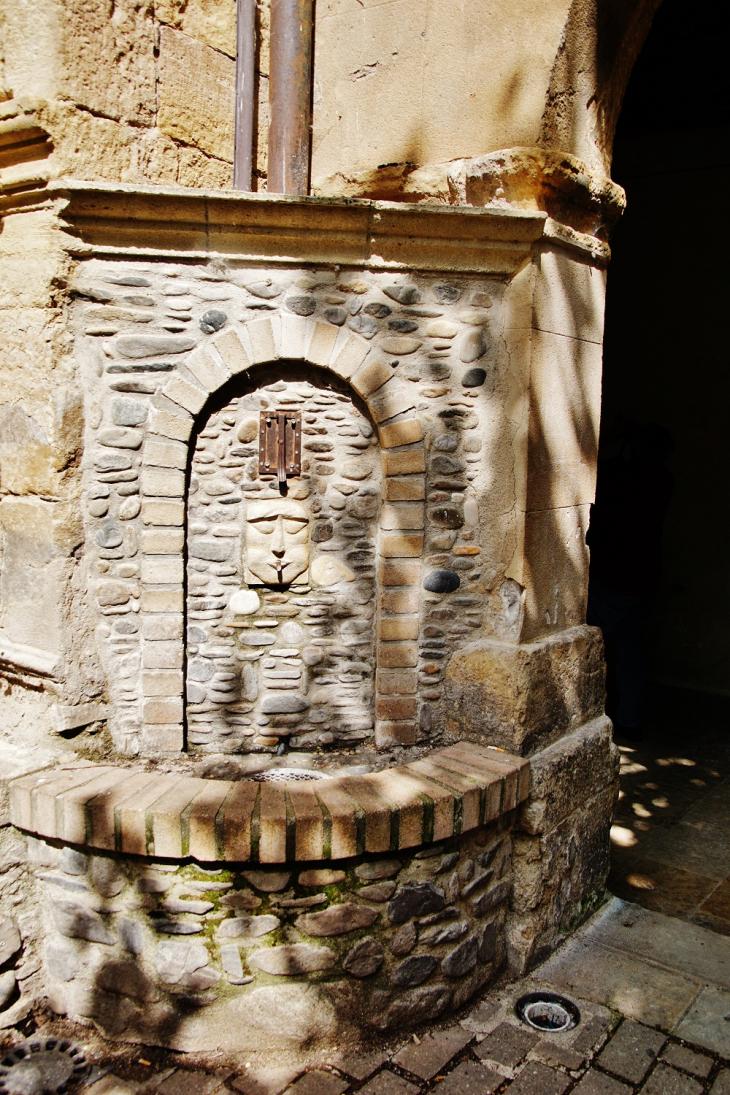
<point x="441" y="581"/>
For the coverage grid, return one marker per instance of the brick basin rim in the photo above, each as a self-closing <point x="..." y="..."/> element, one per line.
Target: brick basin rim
<point x="126" y="810"/>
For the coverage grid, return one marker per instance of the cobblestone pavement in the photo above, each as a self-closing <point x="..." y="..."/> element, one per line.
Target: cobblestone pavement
<point x="654" y="1000"/>
<point x="671" y="833"/>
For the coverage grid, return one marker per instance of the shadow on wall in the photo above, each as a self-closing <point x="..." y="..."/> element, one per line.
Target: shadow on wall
<point x="601" y="42"/>
<point x="563" y="444"/>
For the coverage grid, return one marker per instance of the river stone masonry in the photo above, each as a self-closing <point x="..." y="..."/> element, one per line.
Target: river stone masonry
<point x="402" y="572"/>
<point x="394" y="906"/>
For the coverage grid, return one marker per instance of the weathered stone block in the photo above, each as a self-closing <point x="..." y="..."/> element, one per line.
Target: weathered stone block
<point x="393" y="628"/>
<point x="397" y="655"/>
<point x="405" y="490"/>
<point x="405" y="432"/>
<point x="526" y="696"/>
<point x="561" y="774"/>
<point x="196" y="94"/>
<point x="405" y="462"/>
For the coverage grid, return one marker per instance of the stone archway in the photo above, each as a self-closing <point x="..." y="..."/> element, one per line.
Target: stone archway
<point x="400" y="535"/>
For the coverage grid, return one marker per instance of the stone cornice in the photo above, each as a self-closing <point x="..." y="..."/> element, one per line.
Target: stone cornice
<point x="174" y="222"/>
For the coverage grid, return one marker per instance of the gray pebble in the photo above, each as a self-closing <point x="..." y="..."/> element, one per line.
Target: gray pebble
<point x="363" y="325"/>
<point x="473" y="345"/>
<point x="404" y="294"/>
<point x="212" y="320"/>
<point x="380" y="311"/>
<point x="301" y="306"/>
<point x="413" y="970"/>
<point x="267" y="290"/>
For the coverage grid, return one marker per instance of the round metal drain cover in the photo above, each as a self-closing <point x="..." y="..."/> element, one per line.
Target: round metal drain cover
<point x="286" y="775"/>
<point x="42" y="1066"/>
<point x="547" y="1012"/>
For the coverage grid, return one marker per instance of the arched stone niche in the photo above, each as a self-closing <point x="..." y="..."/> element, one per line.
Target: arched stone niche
<point x="282" y="584"/>
<point x="364" y="381"/>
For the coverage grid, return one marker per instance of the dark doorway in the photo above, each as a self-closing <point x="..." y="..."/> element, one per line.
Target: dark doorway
<point x="666" y="361"/>
<point x="666" y="350"/>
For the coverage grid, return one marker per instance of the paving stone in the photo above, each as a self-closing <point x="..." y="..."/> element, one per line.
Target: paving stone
<point x="705" y="1023"/>
<point x="481" y="1018"/>
<point x="506" y="1045"/>
<point x="318" y="1082"/>
<point x="387" y="1083"/>
<point x="264" y="1081"/>
<point x="667" y="1081"/>
<point x="597" y="1083"/>
<point x="721" y="1085"/>
<point x="537" y="1079"/>
<point x="556" y="1053"/>
<point x="190" y="1083"/>
<point x="644" y="992"/>
<point x="434" y="1052"/>
<point x="590" y="1033"/>
<point x="110" y="1085"/>
<point x="361" y="1065"/>
<point x="683" y="947"/>
<point x="470" y="1078"/>
<point x="632" y="1051"/>
<point x="682" y="1057"/>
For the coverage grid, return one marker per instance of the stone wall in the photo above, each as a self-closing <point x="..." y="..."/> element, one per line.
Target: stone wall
<point x="147" y="96"/>
<point x="249" y="957"/>
<point x="430" y="362"/>
<point x="267" y="664"/>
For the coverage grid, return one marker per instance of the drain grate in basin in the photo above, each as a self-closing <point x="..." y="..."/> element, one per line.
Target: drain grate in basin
<point x="42" y="1066"/>
<point x="547" y="1012"/>
<point x="286" y="775"/>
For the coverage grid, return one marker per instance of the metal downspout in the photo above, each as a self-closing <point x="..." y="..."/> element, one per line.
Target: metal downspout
<point x="290" y="96"/>
<point x="245" y="60"/>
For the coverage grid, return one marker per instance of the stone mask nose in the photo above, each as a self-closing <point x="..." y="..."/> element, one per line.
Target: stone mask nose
<point x="278" y="544"/>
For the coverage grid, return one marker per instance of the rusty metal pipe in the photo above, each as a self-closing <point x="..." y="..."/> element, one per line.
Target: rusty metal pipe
<point x="290" y="96"/>
<point x="245" y="61"/>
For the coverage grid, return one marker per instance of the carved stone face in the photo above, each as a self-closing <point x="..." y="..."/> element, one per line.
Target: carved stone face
<point x="277" y="541"/>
